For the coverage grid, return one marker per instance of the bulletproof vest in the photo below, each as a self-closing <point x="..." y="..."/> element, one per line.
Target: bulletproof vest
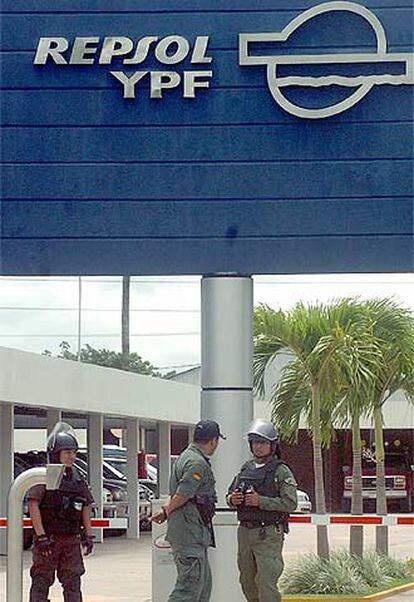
<point x="61" y="510"/>
<point x="263" y="481"/>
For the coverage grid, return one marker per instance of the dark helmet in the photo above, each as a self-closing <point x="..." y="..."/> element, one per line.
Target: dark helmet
<point x="264" y="430"/>
<point x="62" y="437"/>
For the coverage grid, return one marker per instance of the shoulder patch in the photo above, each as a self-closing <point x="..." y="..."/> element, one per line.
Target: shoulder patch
<point x="197" y="476"/>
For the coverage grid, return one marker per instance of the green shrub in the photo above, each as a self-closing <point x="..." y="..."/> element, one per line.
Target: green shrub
<point x="299" y="576"/>
<point x="409" y="565"/>
<point x="371" y="569"/>
<point x="312" y="575"/>
<point x="342" y="574"/>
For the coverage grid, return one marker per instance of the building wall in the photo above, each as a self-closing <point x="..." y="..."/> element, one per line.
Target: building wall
<point x="94" y="183"/>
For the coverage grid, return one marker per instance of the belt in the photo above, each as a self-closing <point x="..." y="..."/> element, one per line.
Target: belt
<point x="256" y="524"/>
<point x="65" y="535"/>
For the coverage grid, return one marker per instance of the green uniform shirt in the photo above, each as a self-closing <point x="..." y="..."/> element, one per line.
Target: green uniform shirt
<point x="287" y="500"/>
<point x="191" y="475"/>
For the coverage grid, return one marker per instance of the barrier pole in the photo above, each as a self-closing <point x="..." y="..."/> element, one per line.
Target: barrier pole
<point x="50" y="476"/>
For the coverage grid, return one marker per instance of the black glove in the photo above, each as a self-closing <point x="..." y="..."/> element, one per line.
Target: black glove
<point x="87" y="544"/>
<point x="44" y="544"/>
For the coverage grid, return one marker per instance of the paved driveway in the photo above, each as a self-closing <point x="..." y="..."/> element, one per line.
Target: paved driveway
<point x="120" y="569"/>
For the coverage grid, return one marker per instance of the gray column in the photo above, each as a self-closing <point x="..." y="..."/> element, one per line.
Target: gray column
<point x="6" y="463"/>
<point x="226" y="368"/>
<point x="132" y="445"/>
<point x="52" y="417"/>
<point x="95" y="459"/>
<point x="142" y="441"/>
<point x="164" y="457"/>
<point x="191" y="433"/>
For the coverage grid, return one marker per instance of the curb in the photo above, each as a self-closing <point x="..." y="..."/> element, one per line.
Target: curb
<point x="368" y="597"/>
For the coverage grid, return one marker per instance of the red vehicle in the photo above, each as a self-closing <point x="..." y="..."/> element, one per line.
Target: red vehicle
<point x="399" y="478"/>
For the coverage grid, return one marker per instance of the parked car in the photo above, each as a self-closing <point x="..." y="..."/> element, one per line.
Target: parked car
<point x="116" y="456"/>
<point x="399" y="479"/>
<point x="117" y="483"/>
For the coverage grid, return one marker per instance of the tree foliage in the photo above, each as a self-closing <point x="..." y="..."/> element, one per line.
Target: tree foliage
<point x="345" y="359"/>
<point x="131" y="362"/>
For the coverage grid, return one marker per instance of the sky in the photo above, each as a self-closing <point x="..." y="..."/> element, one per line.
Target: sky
<point x="38" y="313"/>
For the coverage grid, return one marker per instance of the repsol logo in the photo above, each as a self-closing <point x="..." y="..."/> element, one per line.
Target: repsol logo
<point x="169" y="50"/>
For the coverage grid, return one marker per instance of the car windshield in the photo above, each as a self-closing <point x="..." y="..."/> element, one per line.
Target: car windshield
<point x="109" y="472"/>
<point x="394" y="461"/>
<point x="118" y="464"/>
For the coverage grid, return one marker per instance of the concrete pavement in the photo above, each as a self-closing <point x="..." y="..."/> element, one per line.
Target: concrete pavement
<point x="120" y="569"/>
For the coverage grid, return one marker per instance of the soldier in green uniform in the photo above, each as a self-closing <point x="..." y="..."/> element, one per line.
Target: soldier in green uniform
<point x="189" y="512"/>
<point x="264" y="492"/>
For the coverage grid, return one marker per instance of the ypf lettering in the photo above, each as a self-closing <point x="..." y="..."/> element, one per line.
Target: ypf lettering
<point x="163" y="80"/>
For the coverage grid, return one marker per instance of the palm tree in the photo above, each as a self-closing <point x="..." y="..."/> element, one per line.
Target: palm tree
<point x="354" y="406"/>
<point x="393" y="329"/>
<point x="324" y="343"/>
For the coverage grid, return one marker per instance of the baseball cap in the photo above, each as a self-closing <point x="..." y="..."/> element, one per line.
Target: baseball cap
<point x="206" y="430"/>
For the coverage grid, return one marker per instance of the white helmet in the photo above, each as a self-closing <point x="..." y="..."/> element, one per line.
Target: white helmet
<point x="263" y="429"/>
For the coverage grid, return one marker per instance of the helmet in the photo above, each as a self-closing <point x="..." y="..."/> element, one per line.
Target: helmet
<point x="263" y="429"/>
<point x="62" y="437"/>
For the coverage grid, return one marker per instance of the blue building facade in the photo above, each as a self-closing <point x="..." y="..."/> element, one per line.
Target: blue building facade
<point x="154" y="137"/>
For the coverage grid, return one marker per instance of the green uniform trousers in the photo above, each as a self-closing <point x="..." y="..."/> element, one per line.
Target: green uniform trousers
<point x="193" y="575"/>
<point x="260" y="562"/>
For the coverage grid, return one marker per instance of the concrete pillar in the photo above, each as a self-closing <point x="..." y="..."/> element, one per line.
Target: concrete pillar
<point x="132" y="446"/>
<point x="164" y="457"/>
<point x="95" y="459"/>
<point x="227" y="397"/>
<point x="142" y="441"/>
<point x="227" y="368"/>
<point x="6" y="463"/>
<point x="190" y="433"/>
<point x="53" y="415"/>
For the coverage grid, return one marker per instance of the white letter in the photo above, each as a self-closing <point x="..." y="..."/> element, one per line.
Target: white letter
<point x="114" y="47"/>
<point x="80" y="48"/>
<point x="129" y="83"/>
<point x="200" y="49"/>
<point x="190" y="82"/>
<point x="141" y="51"/>
<point x="52" y="47"/>
<point x="162" y="80"/>
<point x="161" y="51"/>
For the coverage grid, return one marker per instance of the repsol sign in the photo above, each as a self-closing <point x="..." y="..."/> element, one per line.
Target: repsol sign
<point x="356" y="73"/>
<point x="169" y="50"/>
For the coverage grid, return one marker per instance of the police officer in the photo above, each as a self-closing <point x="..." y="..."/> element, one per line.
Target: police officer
<point x="189" y="512"/>
<point x="264" y="492"/>
<point x="59" y="519"/>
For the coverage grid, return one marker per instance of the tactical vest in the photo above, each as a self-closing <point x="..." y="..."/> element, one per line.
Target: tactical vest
<point x="61" y="510"/>
<point x="263" y="481"/>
